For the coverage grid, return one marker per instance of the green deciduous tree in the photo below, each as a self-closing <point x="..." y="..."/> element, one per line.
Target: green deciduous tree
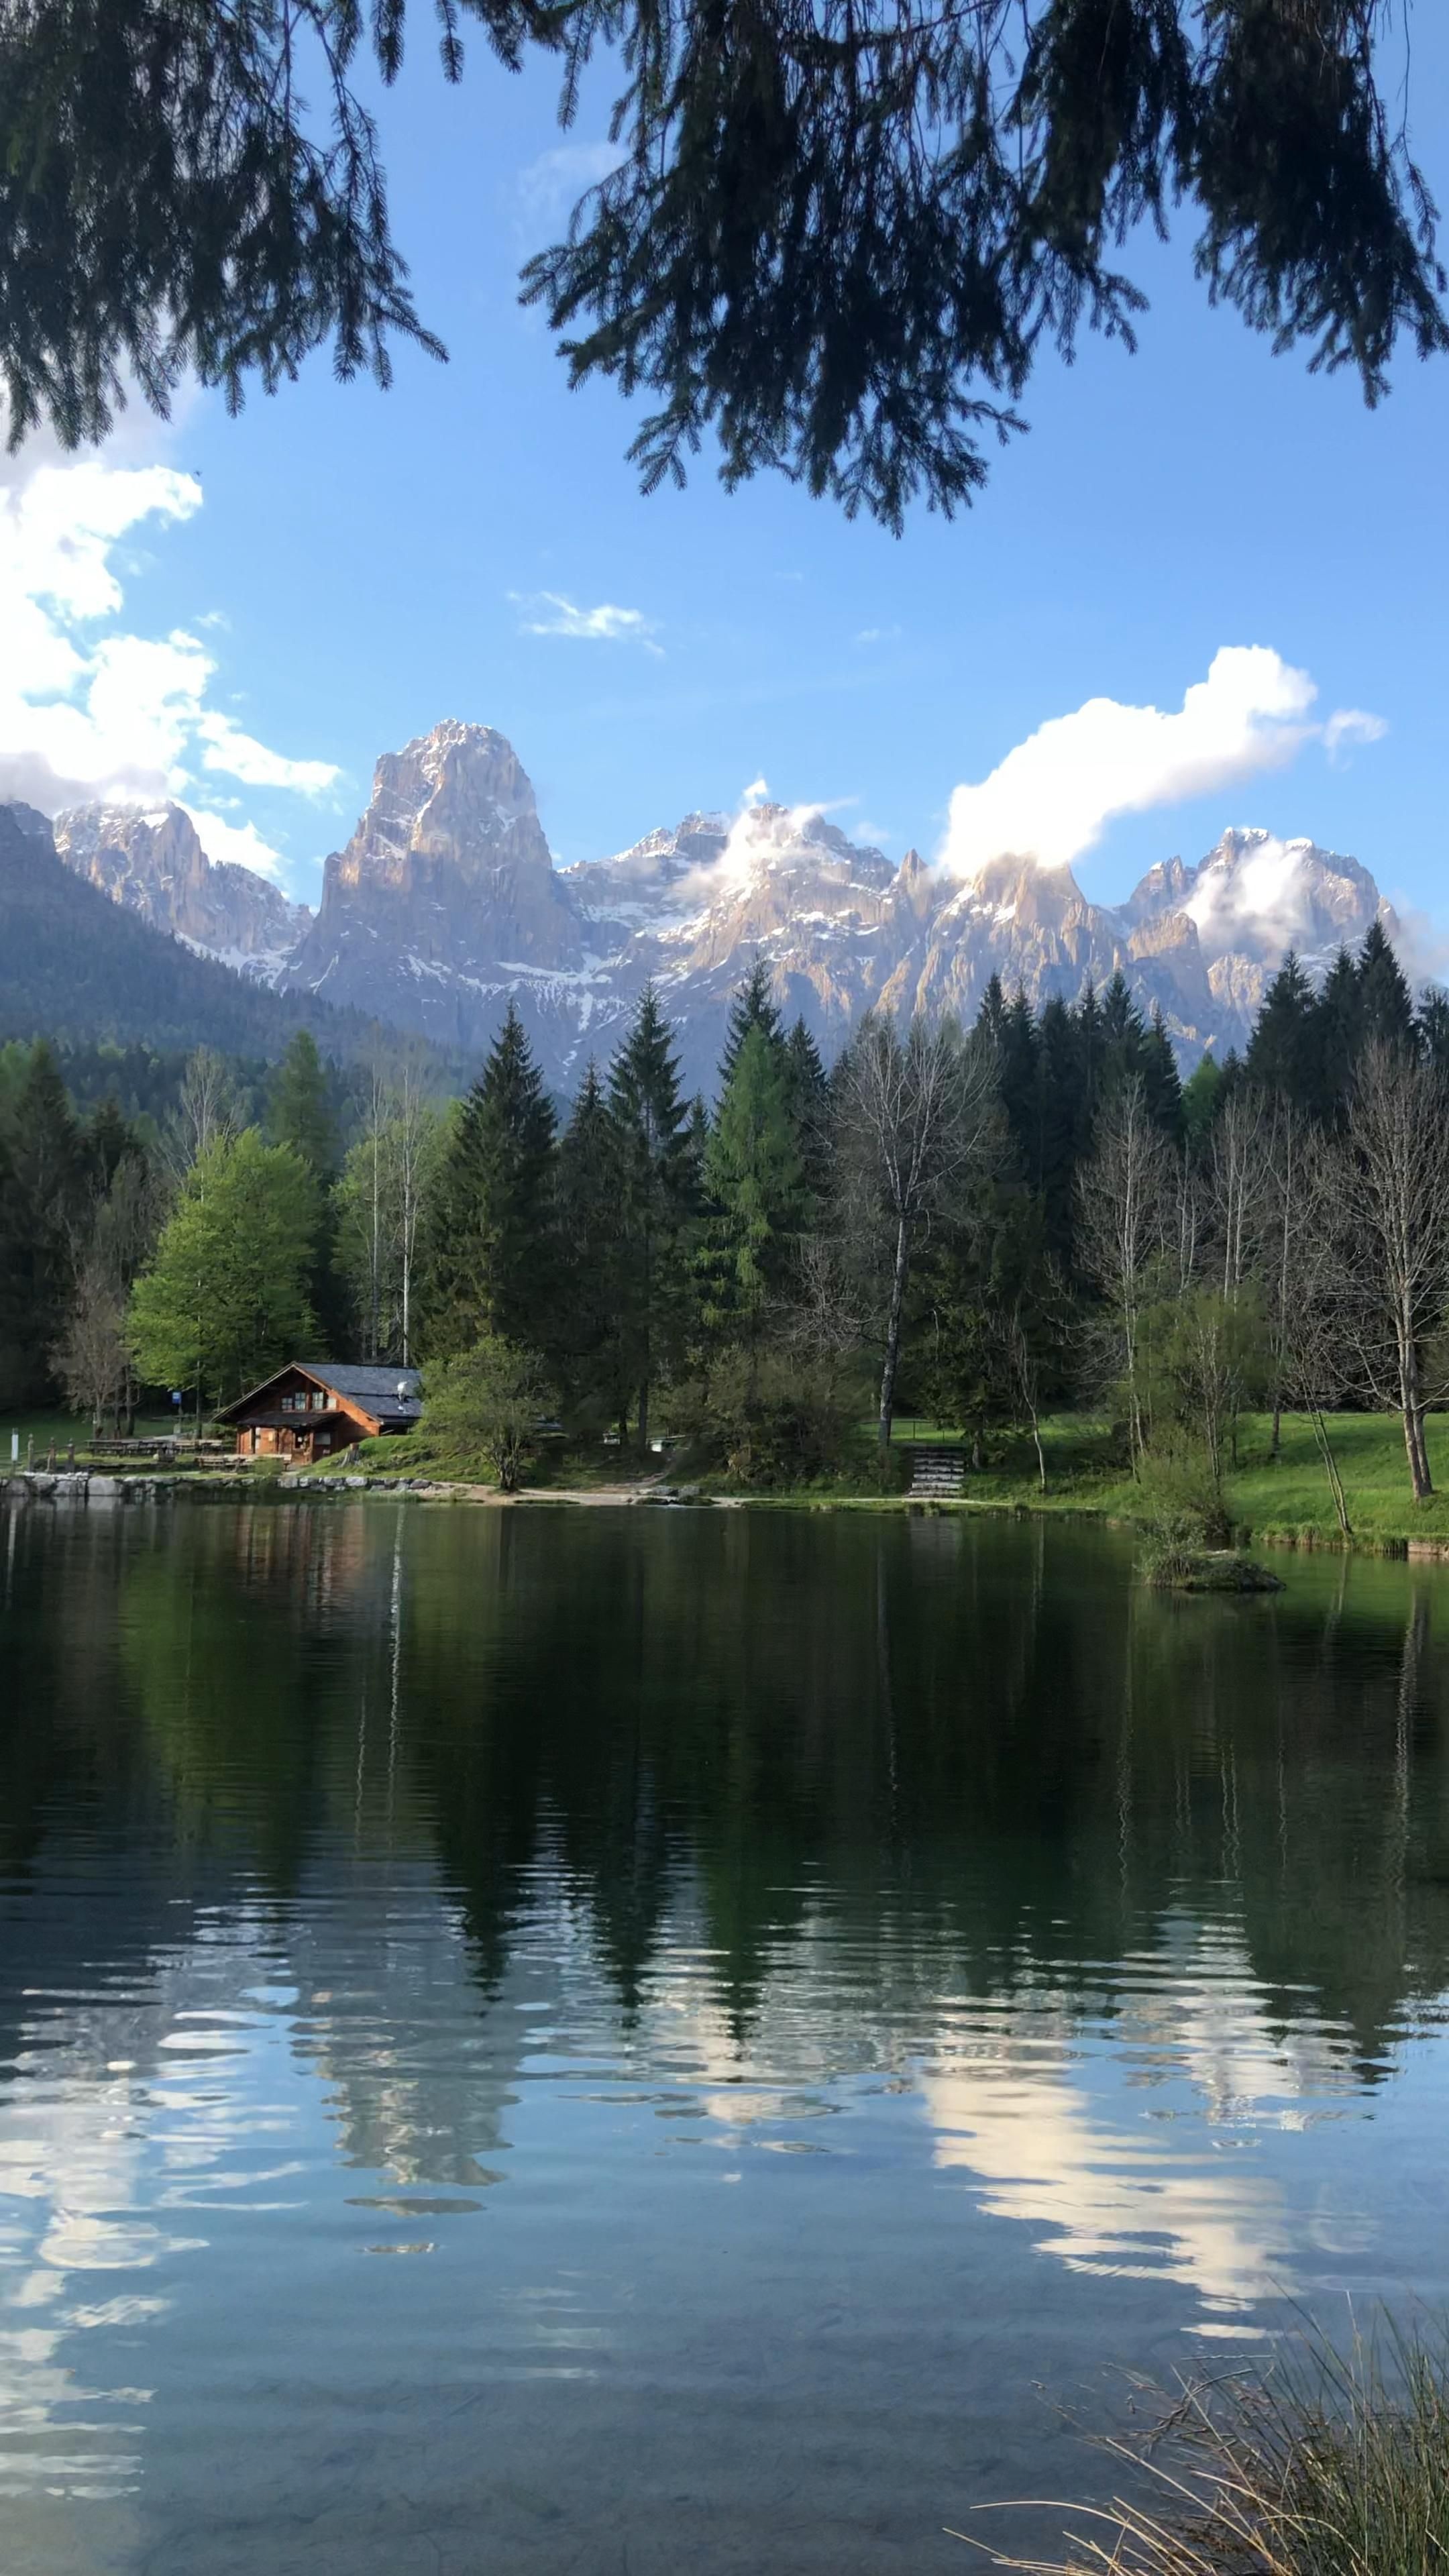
<point x="224" y="1298"/>
<point x="487" y="1403"/>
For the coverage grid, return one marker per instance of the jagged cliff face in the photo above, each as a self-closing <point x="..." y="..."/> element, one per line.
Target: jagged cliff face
<point x="446" y="898"/>
<point x="154" y="864"/>
<point x="446" y="903"/>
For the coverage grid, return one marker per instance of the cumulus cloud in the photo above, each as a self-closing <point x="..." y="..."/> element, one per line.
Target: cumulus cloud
<point x="88" y="708"/>
<point x="1053" y="797"/>
<point x="548" y="612"/>
<point x="240" y="843"/>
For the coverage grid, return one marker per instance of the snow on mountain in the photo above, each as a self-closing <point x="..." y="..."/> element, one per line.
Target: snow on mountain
<point x="153" y="863"/>
<point x="445" y="903"/>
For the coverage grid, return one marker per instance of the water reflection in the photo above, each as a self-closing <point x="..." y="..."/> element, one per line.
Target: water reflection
<point x="635" y="1919"/>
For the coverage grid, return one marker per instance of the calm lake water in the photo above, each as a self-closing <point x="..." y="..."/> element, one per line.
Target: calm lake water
<point x="650" y="2041"/>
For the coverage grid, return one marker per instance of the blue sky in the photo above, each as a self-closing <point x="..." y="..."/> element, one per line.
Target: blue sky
<point x="357" y="565"/>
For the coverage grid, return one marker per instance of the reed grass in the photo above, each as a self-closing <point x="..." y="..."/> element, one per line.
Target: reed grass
<point x="1324" y="2462"/>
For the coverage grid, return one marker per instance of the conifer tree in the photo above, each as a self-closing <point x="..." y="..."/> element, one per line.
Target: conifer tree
<point x="585" y="1339"/>
<point x="656" y="1201"/>
<point x="1161" y="1081"/>
<point x="1018" y="1056"/>
<point x="1385" y="1004"/>
<point x="810" y="1113"/>
<point x="756" y="1183"/>
<point x="1284" y="1049"/>
<point x="1338" y="1026"/>
<point x="45" y="1192"/>
<point x="752" y="1008"/>
<point x="491" y="1234"/>
<point x="299" y="1111"/>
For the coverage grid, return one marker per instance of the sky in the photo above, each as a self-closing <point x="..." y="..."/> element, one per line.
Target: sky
<point x="1207" y="589"/>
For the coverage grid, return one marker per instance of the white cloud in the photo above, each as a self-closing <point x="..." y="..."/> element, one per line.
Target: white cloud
<point x="878" y="635"/>
<point x="548" y="612"/>
<point x="240" y="755"/>
<point x="550" y="187"/>
<point x="1053" y="796"/>
<point x="240" y="843"/>
<point x="89" y="709"/>
<point x="1349" y="726"/>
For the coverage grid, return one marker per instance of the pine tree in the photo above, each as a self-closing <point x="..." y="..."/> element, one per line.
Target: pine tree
<point x="1019" y="1082"/>
<point x="1284" y="1048"/>
<point x="45" y="1195"/>
<point x="1161" y="1081"/>
<point x="299" y="1111"/>
<point x="1337" y="1030"/>
<point x="752" y="1008"/>
<point x="584" y="1340"/>
<point x="810" y="1113"/>
<point x="491" y="1237"/>
<point x="1062" y="1125"/>
<point x="656" y="1200"/>
<point x="1386" y="1007"/>
<point x="1201" y="1100"/>
<point x="756" y="1184"/>
<point x="991" y="1018"/>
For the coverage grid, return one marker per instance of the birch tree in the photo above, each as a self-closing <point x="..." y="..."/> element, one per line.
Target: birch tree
<point x="1394" y="1185"/>
<point x="914" y="1115"/>
<point x="1125" y="1199"/>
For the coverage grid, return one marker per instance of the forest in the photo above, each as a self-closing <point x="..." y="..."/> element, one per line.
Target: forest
<point x="979" y="1226"/>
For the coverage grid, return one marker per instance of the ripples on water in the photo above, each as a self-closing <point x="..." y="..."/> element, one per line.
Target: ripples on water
<point x="777" y="1991"/>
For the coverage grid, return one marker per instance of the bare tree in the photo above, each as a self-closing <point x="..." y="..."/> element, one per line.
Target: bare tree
<point x="1307" y="1319"/>
<point x="823" y="1319"/>
<point x="913" y="1117"/>
<point x="1394" y="1204"/>
<point x="91" y="1358"/>
<point x="205" y="1113"/>
<point x="1124" y="1203"/>
<point x="1235" y="1183"/>
<point x="1290" y="1203"/>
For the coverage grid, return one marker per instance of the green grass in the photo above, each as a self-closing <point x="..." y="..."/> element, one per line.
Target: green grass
<point x="1319" y="2462"/>
<point x="1288" y="1498"/>
<point x="63" y="1428"/>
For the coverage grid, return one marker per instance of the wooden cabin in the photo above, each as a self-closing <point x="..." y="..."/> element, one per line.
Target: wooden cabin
<point x="312" y="1410"/>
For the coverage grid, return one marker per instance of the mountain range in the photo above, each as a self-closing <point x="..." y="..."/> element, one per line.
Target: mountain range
<point x="446" y="902"/>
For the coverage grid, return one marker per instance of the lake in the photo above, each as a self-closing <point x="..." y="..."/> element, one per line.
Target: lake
<point x="650" y="2040"/>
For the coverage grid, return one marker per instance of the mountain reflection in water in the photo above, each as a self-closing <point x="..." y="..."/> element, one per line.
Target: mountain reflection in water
<point x="790" y="1983"/>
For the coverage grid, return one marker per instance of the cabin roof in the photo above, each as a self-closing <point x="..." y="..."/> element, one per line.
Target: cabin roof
<point x="390" y="1394"/>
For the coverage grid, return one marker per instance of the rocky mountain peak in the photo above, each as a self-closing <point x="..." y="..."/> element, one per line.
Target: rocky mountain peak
<point x="153" y="863"/>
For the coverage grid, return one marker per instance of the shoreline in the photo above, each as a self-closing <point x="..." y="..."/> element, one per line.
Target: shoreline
<point x="85" y="1487"/>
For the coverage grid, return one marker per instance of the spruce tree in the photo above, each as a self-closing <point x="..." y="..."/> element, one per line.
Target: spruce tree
<point x="46" y="1191"/>
<point x="1282" y="1058"/>
<point x="810" y="1112"/>
<point x="491" y="1236"/>
<point x="756" y="1184"/>
<point x="584" y="1339"/>
<point x="752" y="1008"/>
<point x="656" y="1201"/>
<point x="1337" y="1030"/>
<point x="299" y="1110"/>
<point x="991" y="1018"/>
<point x="1385" y="1004"/>
<point x="1019" y="1083"/>
<point x="1061" y="1125"/>
<point x="1161" y="1081"/>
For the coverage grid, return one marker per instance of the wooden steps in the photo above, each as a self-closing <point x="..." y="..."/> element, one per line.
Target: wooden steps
<point x="937" y="1475"/>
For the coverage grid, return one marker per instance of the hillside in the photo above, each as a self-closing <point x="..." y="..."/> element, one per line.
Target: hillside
<point x="75" y="964"/>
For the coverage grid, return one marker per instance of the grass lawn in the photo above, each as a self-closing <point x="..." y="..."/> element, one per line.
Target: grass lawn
<point x="1289" y="1498"/>
<point x="63" y="1428"/>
